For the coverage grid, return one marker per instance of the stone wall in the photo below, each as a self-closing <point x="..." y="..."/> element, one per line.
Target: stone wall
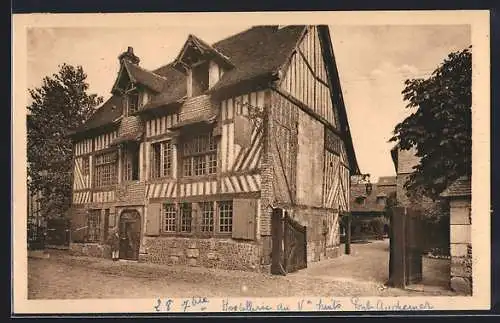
<point x="212" y="253"/>
<point x="460" y="247"/>
<point x="90" y="250"/>
<point x="323" y="236"/>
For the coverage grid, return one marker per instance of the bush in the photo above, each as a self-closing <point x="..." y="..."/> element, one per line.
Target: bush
<point x="436" y="236"/>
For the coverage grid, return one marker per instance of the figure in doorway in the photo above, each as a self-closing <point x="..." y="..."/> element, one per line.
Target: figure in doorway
<point x="114" y="243"/>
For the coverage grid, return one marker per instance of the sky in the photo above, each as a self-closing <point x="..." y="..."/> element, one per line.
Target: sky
<point x="373" y="62"/>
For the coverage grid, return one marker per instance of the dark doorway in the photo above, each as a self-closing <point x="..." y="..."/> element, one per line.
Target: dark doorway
<point x="130" y="234"/>
<point x="131" y="162"/>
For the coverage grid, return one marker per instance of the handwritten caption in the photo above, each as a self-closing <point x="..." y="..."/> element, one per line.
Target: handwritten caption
<point x="204" y="304"/>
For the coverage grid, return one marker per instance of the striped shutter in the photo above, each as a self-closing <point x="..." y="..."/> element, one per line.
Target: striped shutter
<point x="78" y="225"/>
<point x="244" y="217"/>
<point x="153" y="221"/>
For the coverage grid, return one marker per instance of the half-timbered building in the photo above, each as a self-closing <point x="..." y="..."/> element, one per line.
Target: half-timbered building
<point x="189" y="160"/>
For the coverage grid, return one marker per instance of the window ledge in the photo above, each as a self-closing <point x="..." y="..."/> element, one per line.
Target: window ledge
<point x="161" y="179"/>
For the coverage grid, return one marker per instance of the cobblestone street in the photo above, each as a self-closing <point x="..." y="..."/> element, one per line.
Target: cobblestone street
<point x="66" y="277"/>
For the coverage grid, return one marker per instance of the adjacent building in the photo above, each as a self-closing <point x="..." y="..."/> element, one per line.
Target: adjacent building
<point x="404" y="163"/>
<point x="368" y="208"/>
<point x="189" y="159"/>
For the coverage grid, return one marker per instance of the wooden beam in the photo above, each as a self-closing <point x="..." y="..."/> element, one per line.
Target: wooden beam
<point x="311" y="69"/>
<point x="308" y="110"/>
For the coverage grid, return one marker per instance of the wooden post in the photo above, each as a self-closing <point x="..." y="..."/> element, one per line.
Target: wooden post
<point x="348" y="234"/>
<point x="398" y="248"/>
<point x="277" y="242"/>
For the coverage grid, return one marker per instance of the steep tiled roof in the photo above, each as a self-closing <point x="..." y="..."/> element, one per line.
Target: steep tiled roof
<point x="110" y="111"/>
<point x="254" y="57"/>
<point x="147" y="78"/>
<point x="459" y="188"/>
<point x="258" y="51"/>
<point x="206" y="48"/>
<point x="174" y="89"/>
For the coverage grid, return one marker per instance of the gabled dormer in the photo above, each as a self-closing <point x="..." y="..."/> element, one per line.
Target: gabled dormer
<point x="202" y="64"/>
<point x="134" y="84"/>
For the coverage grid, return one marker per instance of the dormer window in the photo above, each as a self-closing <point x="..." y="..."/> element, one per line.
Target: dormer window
<point x="381" y="199"/>
<point x="202" y="64"/>
<point x="360" y="200"/>
<point x="200" y="78"/>
<point x="132" y="102"/>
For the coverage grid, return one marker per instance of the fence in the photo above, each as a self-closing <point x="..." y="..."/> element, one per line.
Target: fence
<point x="36" y="237"/>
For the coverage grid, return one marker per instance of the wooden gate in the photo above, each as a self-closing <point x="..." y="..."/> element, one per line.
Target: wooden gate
<point x="406" y="247"/>
<point x="58" y="231"/>
<point x="289" y="239"/>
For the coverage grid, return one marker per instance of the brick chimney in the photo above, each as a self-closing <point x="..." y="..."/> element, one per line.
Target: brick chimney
<point x="129" y="56"/>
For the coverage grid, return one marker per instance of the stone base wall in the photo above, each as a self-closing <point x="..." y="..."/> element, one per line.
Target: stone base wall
<point x="461" y="273"/>
<point x="212" y="253"/>
<point x="90" y="250"/>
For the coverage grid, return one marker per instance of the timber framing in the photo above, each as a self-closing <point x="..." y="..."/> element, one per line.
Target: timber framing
<point x="261" y="124"/>
<point x="334" y="81"/>
<point x="307" y="110"/>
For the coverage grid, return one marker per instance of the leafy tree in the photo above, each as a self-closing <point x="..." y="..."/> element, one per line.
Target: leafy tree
<point x="440" y="128"/>
<point x="59" y="105"/>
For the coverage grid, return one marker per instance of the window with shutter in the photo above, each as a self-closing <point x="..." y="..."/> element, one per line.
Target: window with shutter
<point x="244" y="218"/>
<point x="225" y="216"/>
<point x="153" y="219"/>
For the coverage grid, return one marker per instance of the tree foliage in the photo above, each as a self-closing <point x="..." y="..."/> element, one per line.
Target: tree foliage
<point x="440" y="126"/>
<point x="58" y="106"/>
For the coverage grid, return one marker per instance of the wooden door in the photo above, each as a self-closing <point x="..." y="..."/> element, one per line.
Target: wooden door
<point x="130" y="233"/>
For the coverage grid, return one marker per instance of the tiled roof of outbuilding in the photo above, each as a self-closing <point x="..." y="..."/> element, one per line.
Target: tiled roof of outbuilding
<point x="459" y="188"/>
<point x="386" y="180"/>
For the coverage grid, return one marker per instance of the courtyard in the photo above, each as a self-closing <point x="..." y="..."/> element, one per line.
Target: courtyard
<point x="363" y="273"/>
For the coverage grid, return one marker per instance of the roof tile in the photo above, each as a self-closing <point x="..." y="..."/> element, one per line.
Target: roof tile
<point x="254" y="52"/>
<point x="147" y="78"/>
<point x="459" y="188"/>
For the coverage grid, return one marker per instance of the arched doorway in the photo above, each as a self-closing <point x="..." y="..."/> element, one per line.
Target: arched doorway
<point x="130" y="234"/>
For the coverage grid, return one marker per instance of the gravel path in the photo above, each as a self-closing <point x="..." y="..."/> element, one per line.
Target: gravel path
<point x="66" y="277"/>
